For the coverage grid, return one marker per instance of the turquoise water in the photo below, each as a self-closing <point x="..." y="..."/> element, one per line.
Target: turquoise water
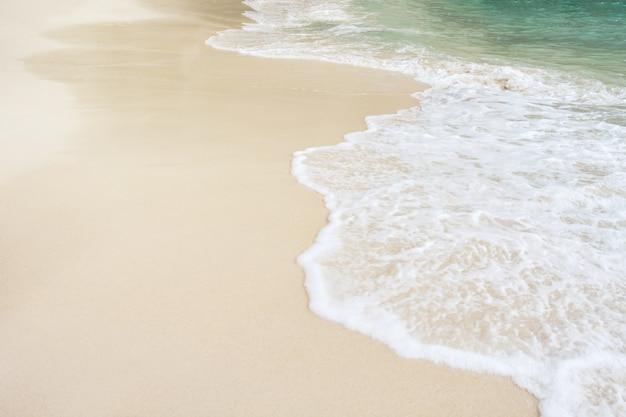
<point x="579" y="36"/>
<point x="484" y="228"/>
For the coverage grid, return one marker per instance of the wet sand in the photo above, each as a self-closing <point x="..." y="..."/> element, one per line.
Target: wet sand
<point x="150" y="227"/>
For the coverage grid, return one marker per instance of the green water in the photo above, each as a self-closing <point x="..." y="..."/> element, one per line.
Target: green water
<point x="582" y="36"/>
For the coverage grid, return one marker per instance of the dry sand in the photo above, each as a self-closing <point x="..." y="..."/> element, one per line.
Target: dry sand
<point x="147" y="256"/>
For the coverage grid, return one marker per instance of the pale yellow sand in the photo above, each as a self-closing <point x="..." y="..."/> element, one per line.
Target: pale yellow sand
<point x="147" y="257"/>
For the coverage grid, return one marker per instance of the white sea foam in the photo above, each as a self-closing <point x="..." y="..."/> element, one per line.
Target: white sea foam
<point x="485" y="228"/>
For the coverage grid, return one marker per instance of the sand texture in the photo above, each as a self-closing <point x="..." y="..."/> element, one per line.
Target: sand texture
<point x="150" y="224"/>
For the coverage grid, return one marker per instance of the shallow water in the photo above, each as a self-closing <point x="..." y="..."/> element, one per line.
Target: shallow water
<point x="486" y="227"/>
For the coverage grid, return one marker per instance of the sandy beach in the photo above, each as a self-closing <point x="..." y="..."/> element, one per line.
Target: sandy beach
<point x="150" y="225"/>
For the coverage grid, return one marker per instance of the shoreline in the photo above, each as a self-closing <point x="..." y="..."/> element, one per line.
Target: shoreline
<point x="150" y="263"/>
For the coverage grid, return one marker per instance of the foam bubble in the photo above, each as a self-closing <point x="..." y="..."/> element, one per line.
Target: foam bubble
<point x="491" y="225"/>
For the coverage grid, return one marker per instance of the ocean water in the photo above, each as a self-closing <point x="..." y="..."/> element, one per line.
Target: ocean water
<point x="484" y="228"/>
